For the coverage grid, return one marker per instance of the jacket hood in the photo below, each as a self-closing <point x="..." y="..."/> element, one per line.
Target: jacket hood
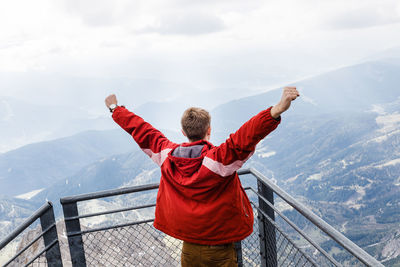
<point x="188" y="157"/>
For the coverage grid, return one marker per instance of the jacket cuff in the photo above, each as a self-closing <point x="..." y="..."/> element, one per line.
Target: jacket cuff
<point x="269" y="113"/>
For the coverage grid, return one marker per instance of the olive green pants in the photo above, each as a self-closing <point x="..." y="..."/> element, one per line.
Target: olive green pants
<point x="195" y="255"/>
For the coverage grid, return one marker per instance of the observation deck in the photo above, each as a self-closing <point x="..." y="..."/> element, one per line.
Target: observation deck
<point x="119" y="232"/>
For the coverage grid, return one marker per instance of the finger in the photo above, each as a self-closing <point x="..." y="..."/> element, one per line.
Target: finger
<point x="294" y="91"/>
<point x="294" y="95"/>
<point x="290" y="89"/>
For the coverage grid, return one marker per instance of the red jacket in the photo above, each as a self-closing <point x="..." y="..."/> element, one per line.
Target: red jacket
<point x="200" y="198"/>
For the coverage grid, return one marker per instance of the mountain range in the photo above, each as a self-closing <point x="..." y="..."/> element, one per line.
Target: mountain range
<point x="336" y="150"/>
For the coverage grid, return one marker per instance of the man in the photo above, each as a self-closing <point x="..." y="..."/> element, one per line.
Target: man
<point x="200" y="199"/>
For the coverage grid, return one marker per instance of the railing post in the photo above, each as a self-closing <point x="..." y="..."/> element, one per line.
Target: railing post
<point x="238" y="247"/>
<point x="74" y="235"/>
<point x="50" y="237"/>
<point x="267" y="234"/>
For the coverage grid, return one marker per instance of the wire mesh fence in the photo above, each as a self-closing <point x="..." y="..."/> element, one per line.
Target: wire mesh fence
<point x="143" y="245"/>
<point x="287" y="252"/>
<point x="33" y="243"/>
<point x="23" y="250"/>
<point x="140" y="244"/>
<point x="135" y="245"/>
<point x="275" y="241"/>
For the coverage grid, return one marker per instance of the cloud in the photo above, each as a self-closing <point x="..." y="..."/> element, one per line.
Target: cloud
<point x="365" y="17"/>
<point x="92" y="12"/>
<point x="185" y="24"/>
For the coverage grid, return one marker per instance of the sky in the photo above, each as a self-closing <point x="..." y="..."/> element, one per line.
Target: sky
<point x="76" y="52"/>
<point x="205" y="45"/>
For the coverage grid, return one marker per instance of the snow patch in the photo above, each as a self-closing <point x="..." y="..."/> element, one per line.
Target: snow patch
<point x="383" y="137"/>
<point x="378" y="109"/>
<point x="283" y="206"/>
<point x="4" y="224"/>
<point x="345" y="164"/>
<point x="267" y="154"/>
<point x="262" y="151"/>
<point x="389" y="163"/>
<point x="389" y="122"/>
<point x="315" y="177"/>
<point x="380" y="139"/>
<point x="292" y="179"/>
<point x="360" y="193"/>
<point x="30" y="194"/>
<point x="343" y="227"/>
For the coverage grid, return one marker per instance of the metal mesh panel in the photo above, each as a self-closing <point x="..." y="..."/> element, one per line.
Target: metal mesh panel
<point x="26" y="257"/>
<point x="136" y="245"/>
<point x="288" y="254"/>
<point x="251" y="248"/>
<point x="143" y="245"/>
<point x="39" y="262"/>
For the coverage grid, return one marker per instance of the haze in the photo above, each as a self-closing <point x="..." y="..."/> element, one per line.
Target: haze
<point x="72" y="53"/>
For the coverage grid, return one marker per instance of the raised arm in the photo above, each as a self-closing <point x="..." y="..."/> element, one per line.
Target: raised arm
<point x="149" y="139"/>
<point x="232" y="154"/>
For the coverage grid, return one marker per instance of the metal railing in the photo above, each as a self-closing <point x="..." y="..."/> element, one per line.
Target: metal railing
<point x="46" y="241"/>
<point x="135" y="243"/>
<point x="266" y="189"/>
<point x="101" y="232"/>
<point x="274" y="242"/>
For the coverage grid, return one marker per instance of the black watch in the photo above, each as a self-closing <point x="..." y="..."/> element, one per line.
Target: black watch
<point x="112" y="107"/>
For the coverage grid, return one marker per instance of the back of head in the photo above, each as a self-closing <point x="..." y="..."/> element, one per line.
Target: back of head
<point x="195" y="123"/>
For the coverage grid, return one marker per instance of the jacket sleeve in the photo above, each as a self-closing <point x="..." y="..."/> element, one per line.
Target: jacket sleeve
<point x="149" y="139"/>
<point x="240" y="146"/>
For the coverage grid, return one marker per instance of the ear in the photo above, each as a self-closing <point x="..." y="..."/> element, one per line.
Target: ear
<point x="183" y="132"/>
<point x="208" y="134"/>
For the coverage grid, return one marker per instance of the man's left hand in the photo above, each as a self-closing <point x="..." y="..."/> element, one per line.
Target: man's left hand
<point x="111" y="99"/>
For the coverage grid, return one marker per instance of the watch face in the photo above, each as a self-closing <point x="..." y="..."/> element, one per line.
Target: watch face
<point x="112" y="106"/>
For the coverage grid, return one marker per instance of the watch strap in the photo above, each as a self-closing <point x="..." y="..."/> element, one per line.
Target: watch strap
<point x="112" y="107"/>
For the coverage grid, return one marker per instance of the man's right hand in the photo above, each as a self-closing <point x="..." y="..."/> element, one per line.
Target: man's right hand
<point x="111" y="99"/>
<point x="289" y="94"/>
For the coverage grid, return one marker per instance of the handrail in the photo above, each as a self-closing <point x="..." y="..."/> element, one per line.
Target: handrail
<point x="45" y="207"/>
<point x="108" y="212"/>
<point x="108" y="193"/>
<point x="358" y="252"/>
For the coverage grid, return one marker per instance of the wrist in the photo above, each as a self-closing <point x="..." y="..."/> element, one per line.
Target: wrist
<point x="276" y="111"/>
<point x="112" y="107"/>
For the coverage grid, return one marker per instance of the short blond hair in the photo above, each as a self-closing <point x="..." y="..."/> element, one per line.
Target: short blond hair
<point x="195" y="123"/>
